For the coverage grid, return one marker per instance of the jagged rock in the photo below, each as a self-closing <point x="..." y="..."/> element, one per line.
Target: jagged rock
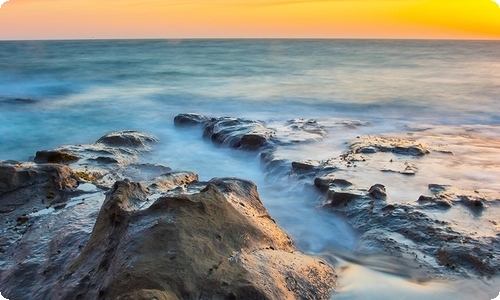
<point x="127" y="138"/>
<point x="418" y="234"/>
<point x="190" y="119"/>
<point x="238" y="133"/>
<point x="191" y="246"/>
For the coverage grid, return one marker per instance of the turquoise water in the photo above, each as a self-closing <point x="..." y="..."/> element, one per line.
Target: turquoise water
<point x="81" y="89"/>
<point x="72" y="92"/>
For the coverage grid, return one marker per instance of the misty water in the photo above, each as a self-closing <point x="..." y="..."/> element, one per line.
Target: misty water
<point x="55" y="93"/>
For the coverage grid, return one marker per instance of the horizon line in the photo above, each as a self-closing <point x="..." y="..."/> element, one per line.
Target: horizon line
<point x="251" y="38"/>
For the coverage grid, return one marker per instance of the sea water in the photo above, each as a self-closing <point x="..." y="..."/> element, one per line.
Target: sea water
<point x="54" y="93"/>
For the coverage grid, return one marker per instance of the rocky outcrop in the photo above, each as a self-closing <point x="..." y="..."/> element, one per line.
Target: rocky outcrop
<point x="411" y="232"/>
<point x="114" y="156"/>
<point x="415" y="231"/>
<point x="218" y="243"/>
<point x="166" y="237"/>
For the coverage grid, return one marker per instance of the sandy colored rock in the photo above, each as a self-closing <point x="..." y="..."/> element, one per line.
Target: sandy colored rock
<point x="192" y="247"/>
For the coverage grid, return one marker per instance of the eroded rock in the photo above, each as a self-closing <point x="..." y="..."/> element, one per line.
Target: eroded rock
<point x="373" y="144"/>
<point x="192" y="246"/>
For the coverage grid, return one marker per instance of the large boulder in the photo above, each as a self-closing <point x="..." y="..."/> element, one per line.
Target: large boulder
<point x="219" y="243"/>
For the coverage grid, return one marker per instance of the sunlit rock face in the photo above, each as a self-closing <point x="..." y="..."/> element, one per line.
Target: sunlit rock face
<point x="217" y="243"/>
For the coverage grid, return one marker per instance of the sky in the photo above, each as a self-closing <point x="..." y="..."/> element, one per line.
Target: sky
<point x="176" y="19"/>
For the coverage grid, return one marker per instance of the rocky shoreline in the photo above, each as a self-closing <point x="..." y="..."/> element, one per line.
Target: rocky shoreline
<point x="168" y="237"/>
<point x="409" y="231"/>
<point x="95" y="222"/>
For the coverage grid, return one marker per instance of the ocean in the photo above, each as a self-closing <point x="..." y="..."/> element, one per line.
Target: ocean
<point x="55" y="93"/>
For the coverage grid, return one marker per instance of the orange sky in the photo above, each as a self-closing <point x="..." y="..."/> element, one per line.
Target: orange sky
<point x="78" y="19"/>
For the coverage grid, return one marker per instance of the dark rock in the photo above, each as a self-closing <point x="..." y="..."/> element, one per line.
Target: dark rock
<point x="127" y="138"/>
<point x="325" y="182"/>
<point x="54" y="157"/>
<point x="378" y="191"/>
<point x="434" y="202"/>
<point x="237" y="133"/>
<point x="438" y="188"/>
<point x="341" y="198"/>
<point x="190" y="119"/>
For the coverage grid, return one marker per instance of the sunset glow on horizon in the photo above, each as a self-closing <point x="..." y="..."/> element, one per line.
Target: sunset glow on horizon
<point x="412" y="19"/>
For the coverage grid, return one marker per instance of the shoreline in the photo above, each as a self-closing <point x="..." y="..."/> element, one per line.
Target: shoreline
<point x="97" y="174"/>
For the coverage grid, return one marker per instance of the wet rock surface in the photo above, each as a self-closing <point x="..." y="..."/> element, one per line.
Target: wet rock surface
<point x="237" y="133"/>
<point x="426" y="232"/>
<point x="168" y="236"/>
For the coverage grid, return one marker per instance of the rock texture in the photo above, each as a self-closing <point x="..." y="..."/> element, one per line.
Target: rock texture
<point x="195" y="246"/>
<point x="166" y="237"/>
<point x="414" y="230"/>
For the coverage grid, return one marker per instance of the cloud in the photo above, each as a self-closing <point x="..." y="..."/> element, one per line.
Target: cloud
<point x="1" y="3"/>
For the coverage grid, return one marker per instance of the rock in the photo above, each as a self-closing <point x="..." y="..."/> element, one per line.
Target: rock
<point x="372" y="144"/>
<point x="191" y="246"/>
<point x="299" y="131"/>
<point x="434" y="202"/>
<point x="324" y="183"/>
<point x="172" y="180"/>
<point x="341" y="198"/>
<point x="237" y="133"/>
<point x="54" y="157"/>
<point x="127" y="138"/>
<point x="378" y="191"/>
<point x="190" y="119"/>
<point x="305" y="165"/>
<point x="21" y="175"/>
